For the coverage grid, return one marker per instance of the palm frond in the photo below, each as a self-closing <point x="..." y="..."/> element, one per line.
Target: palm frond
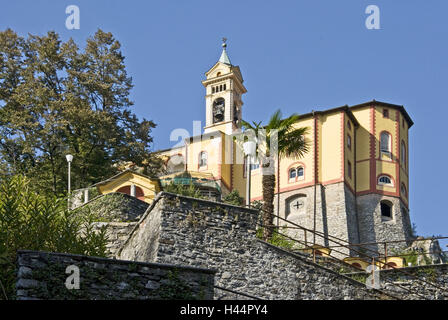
<point x="294" y="143"/>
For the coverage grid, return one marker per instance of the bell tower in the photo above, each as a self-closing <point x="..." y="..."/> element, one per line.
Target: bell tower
<point x="223" y="100"/>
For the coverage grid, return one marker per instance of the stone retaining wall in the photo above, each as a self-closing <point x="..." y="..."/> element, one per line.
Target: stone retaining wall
<point x="416" y="283"/>
<point x="192" y="232"/>
<point x="42" y="275"/>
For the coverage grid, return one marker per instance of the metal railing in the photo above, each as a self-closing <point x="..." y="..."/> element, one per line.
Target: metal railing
<point x="237" y="293"/>
<point x="341" y="243"/>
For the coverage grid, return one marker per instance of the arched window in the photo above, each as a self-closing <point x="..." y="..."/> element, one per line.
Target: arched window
<point x="300" y="172"/>
<point x="203" y="159"/>
<point x="385" y="180"/>
<point x="403" y="154"/>
<point x="386" y="210"/>
<point x="139" y="194"/>
<point x="385" y="142"/>
<point x="349" y="142"/>
<point x="292" y="173"/>
<point x="218" y="110"/>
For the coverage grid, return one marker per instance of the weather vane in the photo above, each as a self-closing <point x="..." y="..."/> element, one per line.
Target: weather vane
<point x="224" y="39"/>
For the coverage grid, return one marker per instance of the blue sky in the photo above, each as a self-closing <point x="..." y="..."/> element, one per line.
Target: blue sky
<point x="294" y="55"/>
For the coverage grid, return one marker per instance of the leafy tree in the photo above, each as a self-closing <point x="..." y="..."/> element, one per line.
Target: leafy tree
<point x="56" y="99"/>
<point x="289" y="142"/>
<point x="234" y="198"/>
<point x="29" y="221"/>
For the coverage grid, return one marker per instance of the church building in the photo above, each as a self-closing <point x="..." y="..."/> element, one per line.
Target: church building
<point x="353" y="183"/>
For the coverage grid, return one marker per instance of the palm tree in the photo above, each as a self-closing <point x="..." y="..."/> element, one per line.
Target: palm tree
<point x="282" y="139"/>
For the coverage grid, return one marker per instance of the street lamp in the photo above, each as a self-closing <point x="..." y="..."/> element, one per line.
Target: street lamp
<point x="249" y="148"/>
<point x="69" y="158"/>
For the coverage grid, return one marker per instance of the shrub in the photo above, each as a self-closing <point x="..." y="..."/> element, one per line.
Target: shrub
<point x="184" y="190"/>
<point x="29" y="221"/>
<point x="234" y="198"/>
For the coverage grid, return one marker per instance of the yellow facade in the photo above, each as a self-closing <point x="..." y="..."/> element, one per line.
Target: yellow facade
<point x="145" y="188"/>
<point x="344" y="144"/>
<point x="344" y="147"/>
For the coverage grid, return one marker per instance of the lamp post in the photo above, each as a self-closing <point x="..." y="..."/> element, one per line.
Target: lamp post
<point x="249" y="148"/>
<point x="69" y="158"/>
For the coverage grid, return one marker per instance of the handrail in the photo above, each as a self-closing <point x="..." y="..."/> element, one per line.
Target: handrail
<point x="328" y="238"/>
<point x="238" y="293"/>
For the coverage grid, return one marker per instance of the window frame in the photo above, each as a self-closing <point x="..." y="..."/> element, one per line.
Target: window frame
<point x="295" y="167"/>
<point x="403" y="153"/>
<point x="389" y="143"/>
<point x="200" y="165"/>
<point x="390" y="205"/>
<point x="383" y="175"/>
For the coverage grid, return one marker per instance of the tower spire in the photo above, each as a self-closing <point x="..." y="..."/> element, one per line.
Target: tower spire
<point x="224" y="57"/>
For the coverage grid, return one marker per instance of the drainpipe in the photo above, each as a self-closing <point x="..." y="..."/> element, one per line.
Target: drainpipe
<point x="278" y="189"/>
<point x="355" y="128"/>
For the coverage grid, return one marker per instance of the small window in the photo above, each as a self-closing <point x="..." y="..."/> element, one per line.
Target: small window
<point x="349" y="142"/>
<point x="349" y="125"/>
<point x="218" y="74"/>
<point x="300" y="172"/>
<point x="224" y="86"/>
<point x="349" y="169"/>
<point x="385" y="142"/>
<point x="403" y="190"/>
<point x="385" y="180"/>
<point x="386" y="210"/>
<point x="213" y="89"/>
<point x="403" y="154"/>
<point x="292" y="174"/>
<point x="385" y="113"/>
<point x="203" y="159"/>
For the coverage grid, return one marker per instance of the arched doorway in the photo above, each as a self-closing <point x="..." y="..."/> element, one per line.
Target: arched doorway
<point x="139" y="194"/>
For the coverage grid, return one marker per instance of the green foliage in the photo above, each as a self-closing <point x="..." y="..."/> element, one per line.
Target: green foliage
<point x="234" y="198"/>
<point x="175" y="288"/>
<point x="29" y="221"/>
<point x="184" y="190"/>
<point x="256" y="204"/>
<point x="56" y="99"/>
<point x="108" y="208"/>
<point x="359" y="277"/>
<point x="278" y="239"/>
<point x="411" y="256"/>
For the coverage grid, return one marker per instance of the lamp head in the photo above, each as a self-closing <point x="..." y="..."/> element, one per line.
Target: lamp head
<point x="249" y="148"/>
<point x="69" y="158"/>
